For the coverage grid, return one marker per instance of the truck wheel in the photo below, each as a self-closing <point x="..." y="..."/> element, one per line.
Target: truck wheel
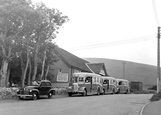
<point x="118" y="91"/>
<point x="98" y="91"/>
<point x="113" y="91"/>
<point x="104" y="92"/>
<point x="126" y="91"/>
<point x="50" y="95"/>
<point x="34" y="96"/>
<point x="84" y="92"/>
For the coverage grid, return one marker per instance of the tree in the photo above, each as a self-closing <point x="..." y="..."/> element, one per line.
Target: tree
<point x="25" y="27"/>
<point x="52" y="20"/>
<point x="47" y="57"/>
<point x="11" y="26"/>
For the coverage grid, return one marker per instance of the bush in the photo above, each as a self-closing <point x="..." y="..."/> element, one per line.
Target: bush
<point x="7" y="93"/>
<point x="154" y="87"/>
<point x="60" y="91"/>
<point x="142" y="91"/>
<point x="156" y="97"/>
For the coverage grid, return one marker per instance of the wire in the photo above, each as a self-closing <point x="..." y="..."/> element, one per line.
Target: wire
<point x="140" y="39"/>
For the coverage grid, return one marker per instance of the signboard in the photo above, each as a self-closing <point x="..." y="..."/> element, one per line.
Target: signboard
<point x="62" y="77"/>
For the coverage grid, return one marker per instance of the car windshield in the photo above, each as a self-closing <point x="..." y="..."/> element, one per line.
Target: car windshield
<point x="35" y="83"/>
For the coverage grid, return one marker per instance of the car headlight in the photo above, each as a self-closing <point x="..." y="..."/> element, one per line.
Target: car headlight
<point x="17" y="90"/>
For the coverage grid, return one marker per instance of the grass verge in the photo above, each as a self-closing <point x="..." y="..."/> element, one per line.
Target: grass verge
<point x="156" y="97"/>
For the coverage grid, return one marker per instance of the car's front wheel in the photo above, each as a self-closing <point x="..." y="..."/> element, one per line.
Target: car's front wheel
<point x="50" y="95"/>
<point x="20" y="97"/>
<point x="34" y="96"/>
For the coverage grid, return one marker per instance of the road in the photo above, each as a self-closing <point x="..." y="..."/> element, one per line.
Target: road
<point x="120" y="104"/>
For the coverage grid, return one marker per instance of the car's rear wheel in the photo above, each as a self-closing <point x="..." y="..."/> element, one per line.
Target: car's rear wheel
<point x="50" y="95"/>
<point x="69" y="94"/>
<point x="34" y="96"/>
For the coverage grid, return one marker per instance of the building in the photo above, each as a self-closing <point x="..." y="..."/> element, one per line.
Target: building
<point x="65" y="67"/>
<point x="68" y="64"/>
<point x="98" y="68"/>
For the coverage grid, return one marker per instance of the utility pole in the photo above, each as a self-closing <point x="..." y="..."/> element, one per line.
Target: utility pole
<point x="158" y="61"/>
<point x="158" y="46"/>
<point x="123" y="69"/>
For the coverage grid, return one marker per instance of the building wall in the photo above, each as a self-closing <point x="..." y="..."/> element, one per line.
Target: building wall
<point x="61" y="68"/>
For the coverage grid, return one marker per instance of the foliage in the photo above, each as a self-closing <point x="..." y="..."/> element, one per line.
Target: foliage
<point x="60" y="91"/>
<point x="27" y="30"/>
<point x="156" y="97"/>
<point x="6" y="93"/>
<point x="142" y="91"/>
<point x="154" y="87"/>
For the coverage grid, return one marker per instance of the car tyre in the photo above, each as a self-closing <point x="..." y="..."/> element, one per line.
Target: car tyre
<point x="69" y="94"/>
<point x="50" y="95"/>
<point x="20" y="97"/>
<point x="34" y="96"/>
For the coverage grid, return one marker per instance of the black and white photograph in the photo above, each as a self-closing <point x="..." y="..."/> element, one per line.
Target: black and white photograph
<point x="80" y="57"/>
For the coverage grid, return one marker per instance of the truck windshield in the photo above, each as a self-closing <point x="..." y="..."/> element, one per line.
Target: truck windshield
<point x="75" y="79"/>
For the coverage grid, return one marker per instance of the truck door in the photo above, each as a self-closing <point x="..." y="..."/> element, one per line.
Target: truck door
<point x="88" y="83"/>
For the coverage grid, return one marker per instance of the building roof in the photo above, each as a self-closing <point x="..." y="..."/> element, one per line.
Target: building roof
<point x="98" y="68"/>
<point x="71" y="60"/>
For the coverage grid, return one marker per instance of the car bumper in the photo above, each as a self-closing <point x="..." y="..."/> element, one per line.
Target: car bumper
<point x="24" y="96"/>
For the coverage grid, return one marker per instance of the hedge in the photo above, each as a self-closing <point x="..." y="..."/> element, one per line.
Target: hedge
<point x="156" y="97"/>
<point x="7" y="93"/>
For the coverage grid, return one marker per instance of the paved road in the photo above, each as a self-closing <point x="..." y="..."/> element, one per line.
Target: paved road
<point x="153" y="108"/>
<point x="122" y="104"/>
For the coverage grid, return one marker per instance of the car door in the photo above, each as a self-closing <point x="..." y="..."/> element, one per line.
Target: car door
<point x="48" y="87"/>
<point x="43" y="88"/>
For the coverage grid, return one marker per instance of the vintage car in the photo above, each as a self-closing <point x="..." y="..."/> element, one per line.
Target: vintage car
<point x="36" y="89"/>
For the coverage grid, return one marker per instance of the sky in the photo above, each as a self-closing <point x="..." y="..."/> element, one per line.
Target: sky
<point x="113" y="29"/>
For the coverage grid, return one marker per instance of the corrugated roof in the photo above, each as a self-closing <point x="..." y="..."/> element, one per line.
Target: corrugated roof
<point x="72" y="60"/>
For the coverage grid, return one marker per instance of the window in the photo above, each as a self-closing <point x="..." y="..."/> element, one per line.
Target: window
<point x="98" y="80"/>
<point x="43" y="84"/>
<point x="81" y="79"/>
<point x="94" y="79"/>
<point x="88" y="79"/>
<point x="48" y="84"/>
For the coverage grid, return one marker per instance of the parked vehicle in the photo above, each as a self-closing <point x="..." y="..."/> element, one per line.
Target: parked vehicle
<point x="36" y="89"/>
<point x="123" y="86"/>
<point x="85" y="83"/>
<point x="109" y="85"/>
